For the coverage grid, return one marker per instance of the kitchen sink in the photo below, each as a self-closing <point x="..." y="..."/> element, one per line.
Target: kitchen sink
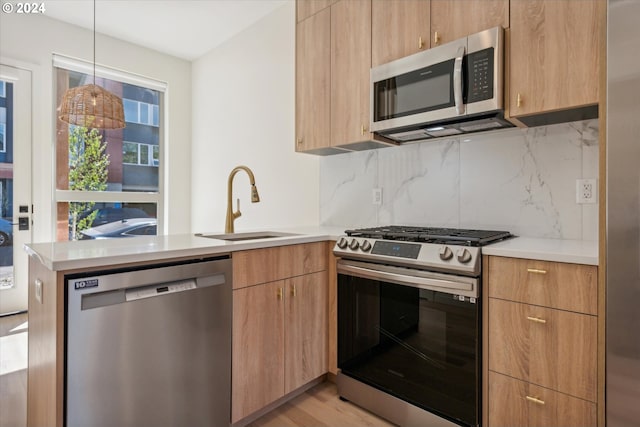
<point x="238" y="237"/>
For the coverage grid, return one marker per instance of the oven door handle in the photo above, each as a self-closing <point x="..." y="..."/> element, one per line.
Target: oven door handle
<point x="440" y="285"/>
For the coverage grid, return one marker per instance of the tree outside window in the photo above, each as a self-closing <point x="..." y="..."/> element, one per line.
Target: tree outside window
<point x="88" y="171"/>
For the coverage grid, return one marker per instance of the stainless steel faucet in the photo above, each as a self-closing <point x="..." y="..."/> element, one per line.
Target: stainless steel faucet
<point x="255" y="198"/>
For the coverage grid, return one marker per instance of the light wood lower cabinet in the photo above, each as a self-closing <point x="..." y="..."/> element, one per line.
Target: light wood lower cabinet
<point x="519" y="403"/>
<point x="541" y="338"/>
<point x="258" y="348"/>
<point x="550" y="347"/>
<point x="280" y="328"/>
<point x="306" y="320"/>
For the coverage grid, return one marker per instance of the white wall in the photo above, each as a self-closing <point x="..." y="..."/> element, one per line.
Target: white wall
<point x="243" y="114"/>
<point x="28" y="41"/>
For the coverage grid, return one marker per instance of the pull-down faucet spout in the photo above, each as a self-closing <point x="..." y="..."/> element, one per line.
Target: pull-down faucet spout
<point x="255" y="198"/>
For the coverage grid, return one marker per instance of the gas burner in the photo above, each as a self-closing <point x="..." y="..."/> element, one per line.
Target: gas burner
<point x="448" y="236"/>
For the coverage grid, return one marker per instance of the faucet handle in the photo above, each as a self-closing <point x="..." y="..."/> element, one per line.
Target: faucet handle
<point x="237" y="213"/>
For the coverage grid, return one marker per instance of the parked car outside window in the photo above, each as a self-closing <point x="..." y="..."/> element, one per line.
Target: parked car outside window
<point x="6" y="232"/>
<point x="130" y="227"/>
<point x="106" y="215"/>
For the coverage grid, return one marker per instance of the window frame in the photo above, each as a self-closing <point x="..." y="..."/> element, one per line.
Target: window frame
<point x="158" y="198"/>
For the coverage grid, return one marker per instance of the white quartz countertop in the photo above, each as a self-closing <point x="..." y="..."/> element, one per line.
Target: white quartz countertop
<point x="61" y="256"/>
<point x="571" y="251"/>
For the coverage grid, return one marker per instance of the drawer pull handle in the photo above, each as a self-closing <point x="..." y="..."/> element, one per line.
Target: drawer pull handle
<point x="536" y="319"/>
<point x="279" y="294"/>
<point x="293" y="291"/>
<point x="536" y="271"/>
<point x="535" y="400"/>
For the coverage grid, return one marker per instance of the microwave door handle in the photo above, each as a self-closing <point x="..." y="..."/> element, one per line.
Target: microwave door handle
<point x="457" y="80"/>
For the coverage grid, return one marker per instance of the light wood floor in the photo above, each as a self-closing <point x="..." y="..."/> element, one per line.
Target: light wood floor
<point x="317" y="407"/>
<point x="13" y="380"/>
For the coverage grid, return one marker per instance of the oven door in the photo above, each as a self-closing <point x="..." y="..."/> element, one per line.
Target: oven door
<point x="412" y="334"/>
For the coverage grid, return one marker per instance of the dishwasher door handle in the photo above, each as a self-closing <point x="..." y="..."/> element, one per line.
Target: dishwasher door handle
<point x="161" y="289"/>
<point x="120" y="296"/>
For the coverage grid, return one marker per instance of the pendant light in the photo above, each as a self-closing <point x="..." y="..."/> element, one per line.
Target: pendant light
<point x="92" y="106"/>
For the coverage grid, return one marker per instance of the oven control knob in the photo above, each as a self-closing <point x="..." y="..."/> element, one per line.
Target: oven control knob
<point x="365" y="246"/>
<point x="445" y="253"/>
<point x="464" y="256"/>
<point x="354" y="244"/>
<point x="342" y="242"/>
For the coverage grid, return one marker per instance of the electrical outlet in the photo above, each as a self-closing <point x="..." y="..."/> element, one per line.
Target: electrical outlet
<point x="586" y="191"/>
<point x="377" y="196"/>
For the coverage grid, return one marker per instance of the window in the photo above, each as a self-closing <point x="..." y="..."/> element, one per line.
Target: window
<point x="3" y="90"/>
<point x="112" y="158"/>
<point x="134" y="153"/>
<point x="140" y="112"/>
<point x="3" y="131"/>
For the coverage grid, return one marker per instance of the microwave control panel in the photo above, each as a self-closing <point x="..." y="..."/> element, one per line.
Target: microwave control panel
<point x="480" y="72"/>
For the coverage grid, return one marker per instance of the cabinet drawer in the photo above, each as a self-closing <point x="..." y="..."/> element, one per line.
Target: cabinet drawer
<point x="266" y="265"/>
<point x="570" y="287"/>
<point x="552" y="348"/>
<point x="517" y="403"/>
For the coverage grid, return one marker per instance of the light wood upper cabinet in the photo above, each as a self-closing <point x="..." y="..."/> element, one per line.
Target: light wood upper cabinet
<point x="306" y="322"/>
<point x="350" y="65"/>
<point x="554" y="55"/>
<point x="313" y="81"/>
<point x="451" y="20"/>
<point x="307" y="8"/>
<point x="399" y="28"/>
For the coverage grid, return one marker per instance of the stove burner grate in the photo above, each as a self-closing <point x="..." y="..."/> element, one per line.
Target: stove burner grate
<point x="452" y="236"/>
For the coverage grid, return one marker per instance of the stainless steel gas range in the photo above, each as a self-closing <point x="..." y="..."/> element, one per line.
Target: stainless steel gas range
<point x="409" y="322"/>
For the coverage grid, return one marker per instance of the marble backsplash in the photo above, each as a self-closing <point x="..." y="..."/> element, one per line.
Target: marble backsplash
<point x="520" y="180"/>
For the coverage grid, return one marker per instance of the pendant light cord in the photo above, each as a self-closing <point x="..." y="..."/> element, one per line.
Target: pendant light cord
<point x="94" y="42"/>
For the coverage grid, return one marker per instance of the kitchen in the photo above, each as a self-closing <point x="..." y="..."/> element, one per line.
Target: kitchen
<point x="332" y="191"/>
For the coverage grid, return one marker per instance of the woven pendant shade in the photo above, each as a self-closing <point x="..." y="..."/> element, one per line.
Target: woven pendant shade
<point x="91" y="106"/>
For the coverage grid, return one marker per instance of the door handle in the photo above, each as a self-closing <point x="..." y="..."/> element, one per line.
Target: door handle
<point x="457" y="80"/>
<point x="23" y="223"/>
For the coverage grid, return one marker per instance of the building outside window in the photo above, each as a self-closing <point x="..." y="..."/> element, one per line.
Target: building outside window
<point x="3" y="137"/>
<point x="133" y="185"/>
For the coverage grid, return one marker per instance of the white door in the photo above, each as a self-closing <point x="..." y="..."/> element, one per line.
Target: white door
<point x="15" y="186"/>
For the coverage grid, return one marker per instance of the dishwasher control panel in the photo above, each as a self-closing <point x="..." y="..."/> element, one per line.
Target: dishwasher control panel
<point x="155" y="290"/>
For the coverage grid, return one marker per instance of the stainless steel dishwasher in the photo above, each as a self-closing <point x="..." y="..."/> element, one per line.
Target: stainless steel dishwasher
<point x="149" y="346"/>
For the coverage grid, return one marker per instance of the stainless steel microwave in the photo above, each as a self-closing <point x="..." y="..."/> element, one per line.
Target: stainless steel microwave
<point x="451" y="89"/>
